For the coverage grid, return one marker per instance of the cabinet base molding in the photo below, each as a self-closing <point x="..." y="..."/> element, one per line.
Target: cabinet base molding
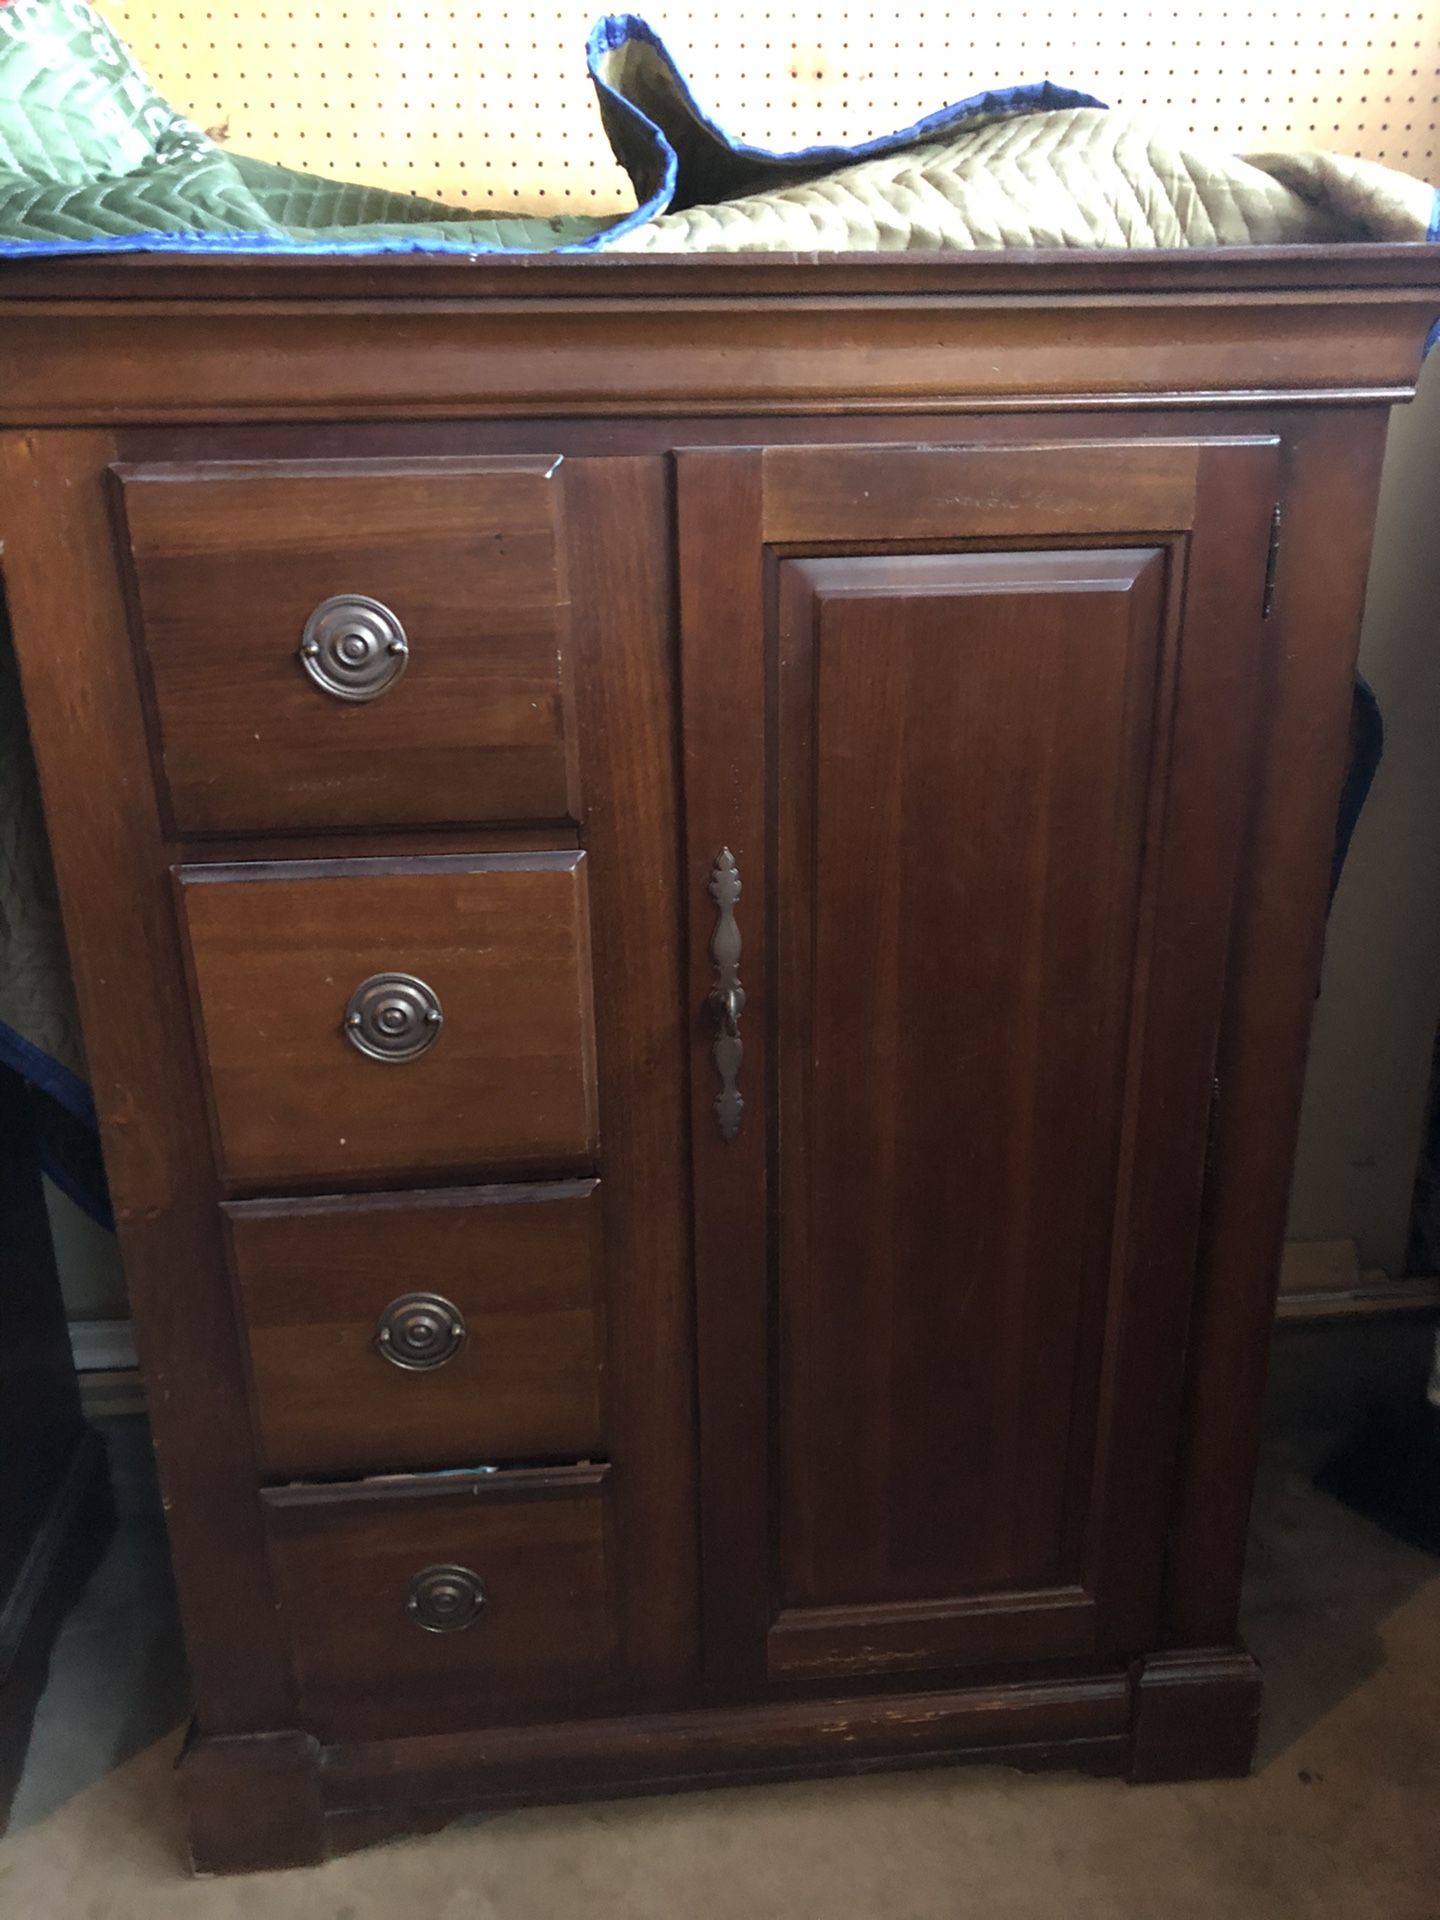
<point x="278" y="1800"/>
<point x="252" y="1802"/>
<point x="1197" y="1714"/>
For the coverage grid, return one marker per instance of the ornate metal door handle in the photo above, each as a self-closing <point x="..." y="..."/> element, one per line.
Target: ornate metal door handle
<point x="727" y="996"/>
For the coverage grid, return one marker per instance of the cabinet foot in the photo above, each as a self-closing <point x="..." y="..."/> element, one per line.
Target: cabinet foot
<point x="253" y="1802"/>
<point x="1196" y="1715"/>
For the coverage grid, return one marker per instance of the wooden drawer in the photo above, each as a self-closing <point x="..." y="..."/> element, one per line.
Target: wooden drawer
<point x="422" y="1329"/>
<point x="362" y="1568"/>
<point x="461" y="558"/>
<point x="497" y="945"/>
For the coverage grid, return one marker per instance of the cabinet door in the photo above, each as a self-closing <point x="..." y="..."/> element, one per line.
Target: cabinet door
<point x="967" y="749"/>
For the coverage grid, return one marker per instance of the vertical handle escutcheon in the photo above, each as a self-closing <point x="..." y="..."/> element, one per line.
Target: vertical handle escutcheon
<point x="727" y="996"/>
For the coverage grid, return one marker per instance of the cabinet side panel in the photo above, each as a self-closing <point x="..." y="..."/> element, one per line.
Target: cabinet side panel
<point x="1331" y="482"/>
<point x="80" y="692"/>
<point x="1206" y="812"/>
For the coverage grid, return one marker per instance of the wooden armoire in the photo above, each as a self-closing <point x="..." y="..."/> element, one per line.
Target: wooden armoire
<point x="696" y="887"/>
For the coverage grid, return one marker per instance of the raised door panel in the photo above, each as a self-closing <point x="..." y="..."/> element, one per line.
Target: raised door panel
<point x="985" y="844"/>
<point x="959" y="861"/>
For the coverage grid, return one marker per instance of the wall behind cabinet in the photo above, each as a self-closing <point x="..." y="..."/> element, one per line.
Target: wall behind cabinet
<point x="1380" y="989"/>
<point x="489" y="104"/>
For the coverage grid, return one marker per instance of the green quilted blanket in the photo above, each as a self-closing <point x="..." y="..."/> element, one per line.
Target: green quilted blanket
<point x="92" y="159"/>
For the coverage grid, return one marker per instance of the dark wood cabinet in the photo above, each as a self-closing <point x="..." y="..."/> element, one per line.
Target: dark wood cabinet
<point x="696" y="922"/>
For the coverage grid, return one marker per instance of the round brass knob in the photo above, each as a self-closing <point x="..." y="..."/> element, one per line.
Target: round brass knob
<point x="353" y="647"/>
<point x="419" y="1331"/>
<point x="393" y="1016"/>
<point x="445" y="1599"/>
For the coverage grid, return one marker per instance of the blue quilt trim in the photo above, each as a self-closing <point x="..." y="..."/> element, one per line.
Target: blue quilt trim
<point x="78" y="1174"/>
<point x="63" y="1087"/>
<point x="1432" y="339"/>
<point x="611" y="35"/>
<point x="192" y="241"/>
<point x="1367" y="750"/>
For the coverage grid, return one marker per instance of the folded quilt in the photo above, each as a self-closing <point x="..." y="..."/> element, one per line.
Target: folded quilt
<point x="93" y="160"/>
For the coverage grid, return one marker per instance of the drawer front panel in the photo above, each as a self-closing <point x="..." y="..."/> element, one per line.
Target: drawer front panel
<point x="352" y="643"/>
<point x="449" y="1601"/>
<point x="424" y="1329"/>
<point x="495" y="947"/>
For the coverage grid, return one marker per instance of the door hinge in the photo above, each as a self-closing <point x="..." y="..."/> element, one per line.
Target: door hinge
<point x="1267" y="600"/>
<point x="1212" y="1129"/>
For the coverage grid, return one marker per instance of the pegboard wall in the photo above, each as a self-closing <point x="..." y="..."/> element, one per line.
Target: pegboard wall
<point x="490" y="106"/>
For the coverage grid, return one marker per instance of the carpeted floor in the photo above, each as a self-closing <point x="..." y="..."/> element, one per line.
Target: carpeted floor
<point x="1342" y="1819"/>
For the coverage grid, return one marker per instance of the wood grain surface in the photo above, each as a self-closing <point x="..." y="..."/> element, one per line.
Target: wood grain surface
<point x="503" y="942"/>
<point x="230" y="560"/>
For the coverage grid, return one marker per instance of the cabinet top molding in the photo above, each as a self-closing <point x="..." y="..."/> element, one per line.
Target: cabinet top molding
<point x="149" y="338"/>
<point x="1333" y="271"/>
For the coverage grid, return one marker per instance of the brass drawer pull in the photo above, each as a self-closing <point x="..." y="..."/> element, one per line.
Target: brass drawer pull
<point x="727" y="996"/>
<point x="393" y="1017"/>
<point x="445" y="1599"/>
<point x="354" y="648"/>
<point x="420" y="1331"/>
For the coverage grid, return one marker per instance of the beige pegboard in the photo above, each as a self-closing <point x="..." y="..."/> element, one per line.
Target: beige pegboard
<point x="490" y="106"/>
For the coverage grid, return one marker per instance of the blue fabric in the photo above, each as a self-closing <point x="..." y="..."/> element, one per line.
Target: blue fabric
<point x="66" y="1130"/>
<point x="1367" y="749"/>
<point x="1432" y="339"/>
<point x="49" y="1075"/>
<point x="261" y="243"/>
